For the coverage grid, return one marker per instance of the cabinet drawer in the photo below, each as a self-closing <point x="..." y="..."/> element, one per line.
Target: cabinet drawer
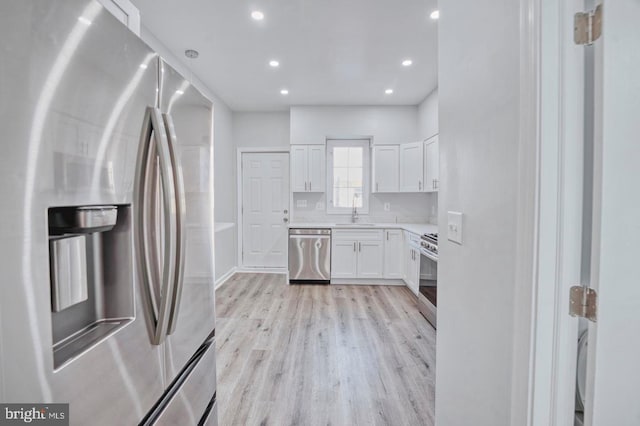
<point x="412" y="238"/>
<point x="357" y="234"/>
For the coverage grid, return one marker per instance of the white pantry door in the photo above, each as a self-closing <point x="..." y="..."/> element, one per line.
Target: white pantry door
<point x="265" y="209"/>
<point x="613" y="365"/>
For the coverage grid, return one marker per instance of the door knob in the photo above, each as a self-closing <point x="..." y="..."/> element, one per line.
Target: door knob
<point x="286" y="211"/>
<point x="285" y="220"/>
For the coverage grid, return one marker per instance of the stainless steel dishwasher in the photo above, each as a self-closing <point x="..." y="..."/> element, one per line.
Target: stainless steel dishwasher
<point x="309" y="256"/>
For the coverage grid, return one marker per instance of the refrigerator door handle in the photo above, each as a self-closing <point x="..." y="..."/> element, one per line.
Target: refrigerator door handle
<point x="180" y="215"/>
<point x="153" y="164"/>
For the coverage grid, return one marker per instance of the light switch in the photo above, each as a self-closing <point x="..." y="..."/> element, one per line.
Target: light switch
<point x="387" y="207"/>
<point x="454" y="227"/>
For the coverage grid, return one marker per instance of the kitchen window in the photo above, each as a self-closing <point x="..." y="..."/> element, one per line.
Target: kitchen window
<point x="348" y="176"/>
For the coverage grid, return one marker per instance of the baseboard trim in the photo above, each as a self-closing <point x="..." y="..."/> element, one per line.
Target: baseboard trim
<point x="381" y="281"/>
<point x="244" y="269"/>
<point x="223" y="279"/>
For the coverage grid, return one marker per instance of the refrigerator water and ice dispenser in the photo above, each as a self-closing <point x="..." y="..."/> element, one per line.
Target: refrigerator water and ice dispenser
<point x="91" y="276"/>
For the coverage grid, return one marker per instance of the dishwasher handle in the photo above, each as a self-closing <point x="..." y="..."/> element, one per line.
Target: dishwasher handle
<point x="310" y="232"/>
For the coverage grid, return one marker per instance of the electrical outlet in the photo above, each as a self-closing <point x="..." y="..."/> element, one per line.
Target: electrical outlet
<point x="387" y="207"/>
<point x="301" y="203"/>
<point x="319" y="205"/>
<point x="454" y="227"/>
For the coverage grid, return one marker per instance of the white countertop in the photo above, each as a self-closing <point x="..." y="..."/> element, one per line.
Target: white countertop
<point x="416" y="228"/>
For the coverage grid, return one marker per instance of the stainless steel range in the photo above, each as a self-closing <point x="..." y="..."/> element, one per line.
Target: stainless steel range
<point x="428" y="289"/>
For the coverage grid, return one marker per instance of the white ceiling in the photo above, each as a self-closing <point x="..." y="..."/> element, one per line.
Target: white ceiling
<point x="331" y="52"/>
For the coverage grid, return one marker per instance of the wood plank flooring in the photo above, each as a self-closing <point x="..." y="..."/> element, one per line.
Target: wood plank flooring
<point x="322" y="355"/>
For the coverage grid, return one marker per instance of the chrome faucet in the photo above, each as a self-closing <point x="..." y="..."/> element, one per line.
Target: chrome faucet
<point x="354" y="212"/>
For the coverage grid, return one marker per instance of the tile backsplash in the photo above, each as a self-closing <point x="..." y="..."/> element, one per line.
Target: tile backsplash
<point x="404" y="208"/>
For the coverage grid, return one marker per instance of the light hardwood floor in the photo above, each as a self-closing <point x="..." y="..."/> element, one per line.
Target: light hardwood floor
<point x="322" y="355"/>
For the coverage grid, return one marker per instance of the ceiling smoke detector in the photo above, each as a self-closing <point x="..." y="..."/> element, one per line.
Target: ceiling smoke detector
<point x="191" y="54"/>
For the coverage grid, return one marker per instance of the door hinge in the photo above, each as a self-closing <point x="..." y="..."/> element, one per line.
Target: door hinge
<point x="587" y="26"/>
<point x="583" y="302"/>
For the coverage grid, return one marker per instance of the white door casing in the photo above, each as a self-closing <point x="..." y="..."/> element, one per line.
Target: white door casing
<point x="265" y="209"/>
<point x="613" y="369"/>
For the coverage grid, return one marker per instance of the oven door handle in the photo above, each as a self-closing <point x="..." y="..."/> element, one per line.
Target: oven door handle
<point x="428" y="255"/>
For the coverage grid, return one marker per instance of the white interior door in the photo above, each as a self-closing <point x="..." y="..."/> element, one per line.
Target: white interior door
<point x="265" y="209"/>
<point x="613" y="365"/>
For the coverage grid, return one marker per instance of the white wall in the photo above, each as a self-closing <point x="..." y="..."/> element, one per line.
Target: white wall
<point x="387" y="124"/>
<point x="261" y="129"/>
<point x="479" y="137"/>
<point x="428" y="116"/>
<point x="224" y="160"/>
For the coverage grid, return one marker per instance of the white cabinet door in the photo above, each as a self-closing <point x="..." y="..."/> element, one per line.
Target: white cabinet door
<point x="344" y="259"/>
<point x="406" y="272"/>
<point x="316" y="168"/>
<point x="431" y="164"/>
<point x="386" y="168"/>
<point x="414" y="271"/>
<point x="393" y="254"/>
<point x="370" y="254"/>
<point x="411" y="167"/>
<point x="299" y="155"/>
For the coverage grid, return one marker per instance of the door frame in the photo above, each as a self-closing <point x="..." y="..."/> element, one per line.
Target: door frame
<point x="550" y="162"/>
<point x="249" y="150"/>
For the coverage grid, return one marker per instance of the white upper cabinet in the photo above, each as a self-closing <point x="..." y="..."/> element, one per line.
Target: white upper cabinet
<point x="431" y="164"/>
<point x="299" y="173"/>
<point x="308" y="168"/>
<point x="411" y="167"/>
<point x="317" y="168"/>
<point x="386" y="168"/>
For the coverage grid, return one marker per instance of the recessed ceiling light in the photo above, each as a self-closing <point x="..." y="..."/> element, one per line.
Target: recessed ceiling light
<point x="257" y="15"/>
<point x="191" y="53"/>
<point x="179" y="92"/>
<point x="407" y="62"/>
<point x="143" y="66"/>
<point x="284" y="92"/>
<point x="435" y="14"/>
<point x="388" y="91"/>
<point x="273" y="63"/>
<point x="84" y="20"/>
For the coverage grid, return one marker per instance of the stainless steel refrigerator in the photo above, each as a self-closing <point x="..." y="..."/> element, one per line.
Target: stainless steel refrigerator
<point x="106" y="225"/>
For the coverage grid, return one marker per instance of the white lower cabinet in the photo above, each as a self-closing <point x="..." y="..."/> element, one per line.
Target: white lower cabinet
<point x="393" y="254"/>
<point x="344" y="258"/>
<point x="411" y="263"/>
<point x="370" y="255"/>
<point x="357" y="253"/>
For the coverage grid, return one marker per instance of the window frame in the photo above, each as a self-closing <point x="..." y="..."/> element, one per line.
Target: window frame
<point x="365" y="144"/>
